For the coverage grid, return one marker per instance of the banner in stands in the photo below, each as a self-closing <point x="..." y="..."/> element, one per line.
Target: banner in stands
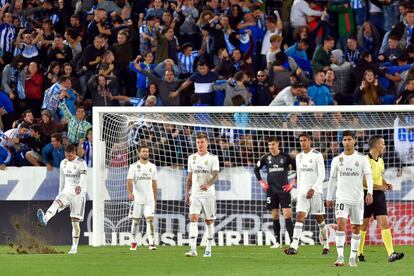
<point x="30" y="183"/>
<point x="241" y="214"/>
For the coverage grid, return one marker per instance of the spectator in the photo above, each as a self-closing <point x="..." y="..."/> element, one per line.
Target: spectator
<point x="91" y="57"/>
<point x="262" y="90"/>
<point x="407" y="93"/>
<point x="8" y="32"/>
<point x="300" y="9"/>
<point x="167" y="87"/>
<point x="369" y="39"/>
<point x="53" y="96"/>
<point x="59" y="51"/>
<point x="234" y="87"/>
<point x="48" y="125"/>
<point x="369" y="92"/>
<point x="287" y="96"/>
<point x="5" y="157"/>
<point x="319" y="92"/>
<point x="85" y="148"/>
<point x="353" y="52"/>
<point x="54" y="152"/>
<point x="203" y="81"/>
<point x="138" y="66"/>
<point x="33" y="88"/>
<point x="31" y="154"/>
<point x="167" y="65"/>
<point x="77" y="125"/>
<point x="102" y="90"/>
<point x="27" y="46"/>
<point x="322" y="58"/>
<point x="7" y="114"/>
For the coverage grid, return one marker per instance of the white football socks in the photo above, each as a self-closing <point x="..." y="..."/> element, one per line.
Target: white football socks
<point x="355" y="239"/>
<point x="135" y="229"/>
<point x="210" y="236"/>
<point x="51" y="211"/>
<point x="297" y="231"/>
<point x="150" y="231"/>
<point x="75" y="234"/>
<point x="324" y="234"/>
<point x="193" y="235"/>
<point x="340" y="242"/>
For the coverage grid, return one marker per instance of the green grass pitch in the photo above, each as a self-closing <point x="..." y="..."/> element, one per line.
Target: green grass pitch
<point x="235" y="260"/>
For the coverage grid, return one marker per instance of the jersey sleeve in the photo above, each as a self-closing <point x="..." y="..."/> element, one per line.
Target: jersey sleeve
<point x="258" y="166"/>
<point x="130" y="173"/>
<point x="83" y="170"/>
<point x="321" y="173"/>
<point x="154" y="173"/>
<point x="367" y="172"/>
<point x="61" y="178"/>
<point x="297" y="171"/>
<point x="189" y="164"/>
<point x="332" y="179"/>
<point x="216" y="164"/>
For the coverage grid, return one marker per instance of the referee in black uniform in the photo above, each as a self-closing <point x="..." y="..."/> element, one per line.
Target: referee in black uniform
<point x="277" y="188"/>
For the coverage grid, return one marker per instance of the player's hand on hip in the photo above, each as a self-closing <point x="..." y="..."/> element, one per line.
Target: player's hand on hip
<point x="389" y="186"/>
<point x="329" y="204"/>
<point x="310" y="193"/>
<point x="288" y="187"/>
<point x="77" y="190"/>
<point x="369" y="199"/>
<point x="204" y="187"/>
<point x="264" y="184"/>
<point x="131" y="197"/>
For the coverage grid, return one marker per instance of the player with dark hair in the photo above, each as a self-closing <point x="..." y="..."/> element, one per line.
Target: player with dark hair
<point x="277" y="187"/>
<point x="310" y="172"/>
<point x="72" y="191"/>
<point x="379" y="207"/>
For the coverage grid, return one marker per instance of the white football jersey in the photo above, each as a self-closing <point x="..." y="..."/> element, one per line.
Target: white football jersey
<point x="347" y="173"/>
<point x="202" y="168"/>
<point x="142" y="176"/>
<point x="310" y="171"/>
<point x="73" y="174"/>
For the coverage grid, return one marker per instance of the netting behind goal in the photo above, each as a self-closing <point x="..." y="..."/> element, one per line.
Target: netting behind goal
<point x="238" y="137"/>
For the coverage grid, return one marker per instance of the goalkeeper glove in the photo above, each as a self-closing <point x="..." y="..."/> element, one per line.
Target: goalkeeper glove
<point x="288" y="187"/>
<point x="264" y="184"/>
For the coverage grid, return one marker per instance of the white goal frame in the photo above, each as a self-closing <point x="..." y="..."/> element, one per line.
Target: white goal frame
<point x="98" y="146"/>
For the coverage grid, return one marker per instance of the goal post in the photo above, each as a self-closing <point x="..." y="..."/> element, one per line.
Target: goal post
<point x="238" y="136"/>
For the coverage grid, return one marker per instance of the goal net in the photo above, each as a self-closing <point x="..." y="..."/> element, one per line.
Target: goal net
<point x="238" y="136"/>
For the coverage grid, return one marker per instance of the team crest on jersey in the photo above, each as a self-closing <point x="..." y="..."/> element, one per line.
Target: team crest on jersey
<point x="310" y="160"/>
<point x="150" y="170"/>
<point x="66" y="161"/>
<point x="139" y="167"/>
<point x="194" y="159"/>
<point x="206" y="163"/>
<point x="282" y="161"/>
<point x="341" y="160"/>
<point x="356" y="164"/>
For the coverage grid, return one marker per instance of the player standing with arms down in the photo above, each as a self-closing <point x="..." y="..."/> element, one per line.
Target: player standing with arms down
<point x="142" y="191"/>
<point x="72" y="191"/>
<point x="310" y="174"/>
<point x="203" y="172"/>
<point x="379" y="208"/>
<point x="347" y="174"/>
<point x="277" y="187"/>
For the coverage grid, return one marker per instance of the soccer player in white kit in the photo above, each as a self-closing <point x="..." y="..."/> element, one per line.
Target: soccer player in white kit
<point x="203" y="172"/>
<point x="310" y="172"/>
<point x="348" y="170"/>
<point x="72" y="191"/>
<point x="142" y="191"/>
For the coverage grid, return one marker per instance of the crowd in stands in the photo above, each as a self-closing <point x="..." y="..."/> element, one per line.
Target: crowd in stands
<point x="60" y="58"/>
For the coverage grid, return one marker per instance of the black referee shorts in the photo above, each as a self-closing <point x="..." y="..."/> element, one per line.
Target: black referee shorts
<point x="278" y="200"/>
<point x="378" y="207"/>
